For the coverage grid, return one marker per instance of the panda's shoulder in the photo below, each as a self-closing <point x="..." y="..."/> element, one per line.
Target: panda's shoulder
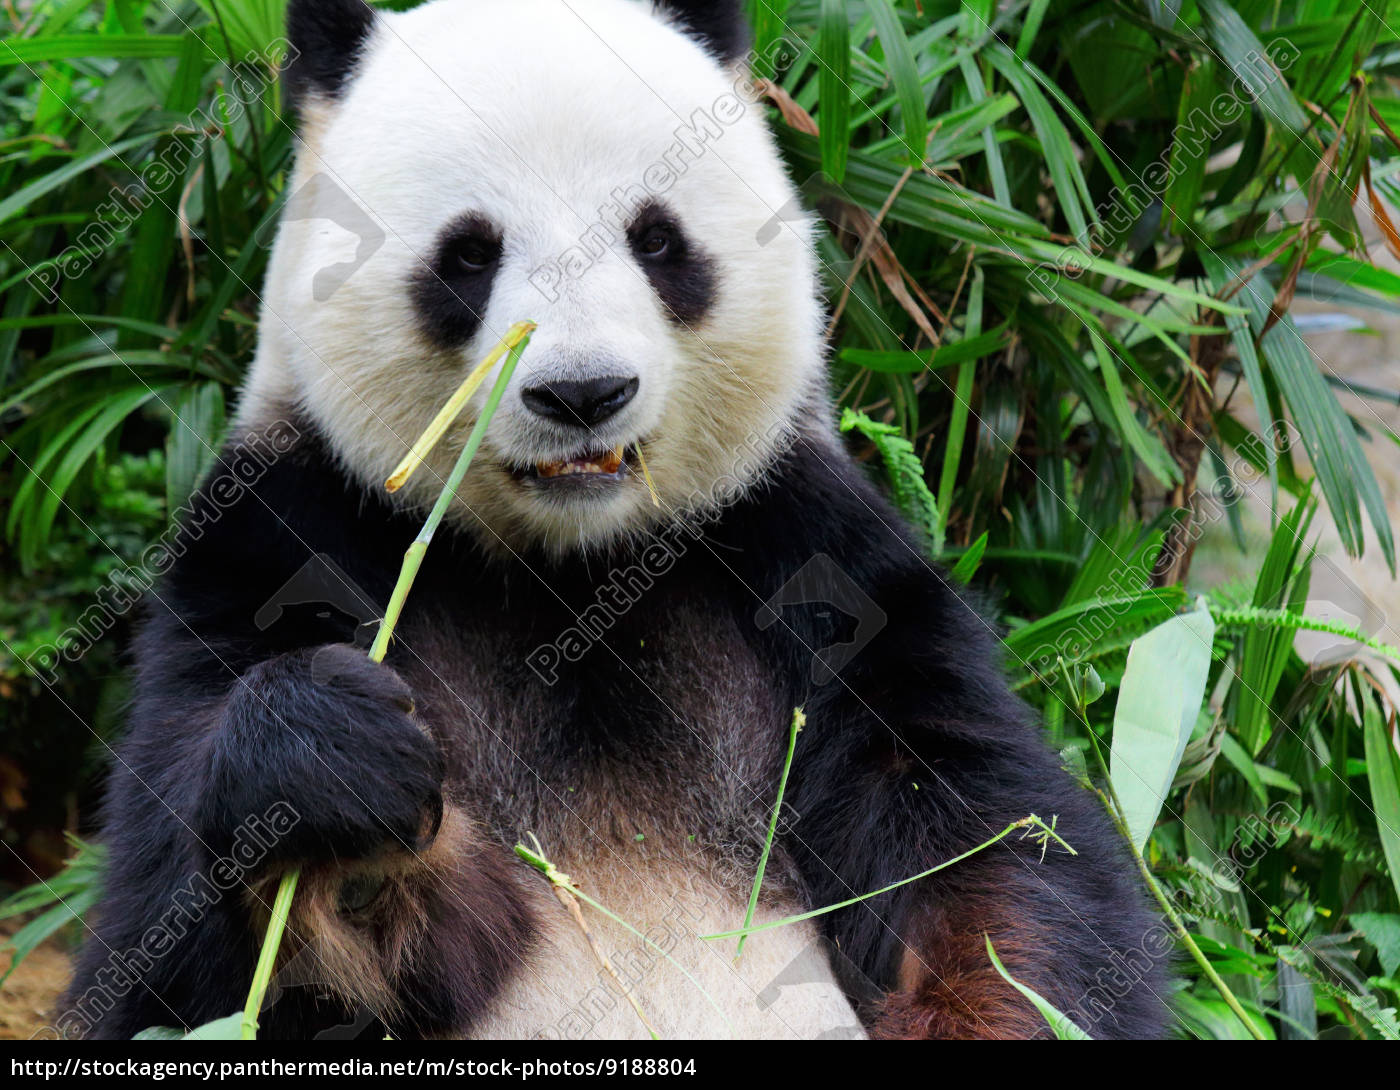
<point x="821" y="511"/>
<point x="817" y="500"/>
<point x="266" y="508"/>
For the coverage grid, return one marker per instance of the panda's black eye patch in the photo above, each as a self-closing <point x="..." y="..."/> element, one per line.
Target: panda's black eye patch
<point x="680" y="273"/>
<point x="452" y="285"/>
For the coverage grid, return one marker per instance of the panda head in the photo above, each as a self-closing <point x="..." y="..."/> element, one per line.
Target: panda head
<point x="600" y="167"/>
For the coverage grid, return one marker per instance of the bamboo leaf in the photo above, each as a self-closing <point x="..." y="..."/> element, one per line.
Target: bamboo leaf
<point x="67" y="47"/>
<point x="1190" y="147"/>
<point x="1068" y="633"/>
<point x="195" y="436"/>
<point x="1383" y="774"/>
<point x="1056" y="148"/>
<point x="1061" y="1023"/>
<point x="1158" y="701"/>
<point x="26" y="195"/>
<point x="899" y="60"/>
<point x="1245" y="56"/>
<point x="967" y="565"/>
<point x="1145" y="445"/>
<point x="996" y="165"/>
<point x="1345" y="475"/>
<point x="834" y="56"/>
<point x="961" y="410"/>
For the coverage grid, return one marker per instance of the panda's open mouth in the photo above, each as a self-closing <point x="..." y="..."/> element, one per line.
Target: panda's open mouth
<point x="584" y="468"/>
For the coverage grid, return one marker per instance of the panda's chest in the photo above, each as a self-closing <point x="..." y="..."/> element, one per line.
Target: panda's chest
<point x="667" y="723"/>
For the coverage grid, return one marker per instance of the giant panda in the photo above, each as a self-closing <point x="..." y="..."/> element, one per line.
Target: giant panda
<point x="579" y="666"/>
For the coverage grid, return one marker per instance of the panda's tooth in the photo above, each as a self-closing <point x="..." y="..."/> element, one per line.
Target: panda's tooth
<point x="603" y="465"/>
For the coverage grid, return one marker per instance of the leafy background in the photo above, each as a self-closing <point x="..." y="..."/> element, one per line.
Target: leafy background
<point x="1067" y="312"/>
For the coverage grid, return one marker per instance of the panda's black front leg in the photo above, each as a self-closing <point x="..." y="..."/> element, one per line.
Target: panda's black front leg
<point x="312" y="759"/>
<point x="330" y="734"/>
<point x="403" y="913"/>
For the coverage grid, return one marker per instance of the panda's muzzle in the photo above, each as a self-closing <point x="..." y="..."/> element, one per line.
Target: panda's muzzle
<point x="582" y="405"/>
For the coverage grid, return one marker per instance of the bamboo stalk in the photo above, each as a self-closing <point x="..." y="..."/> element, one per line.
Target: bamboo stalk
<point x="799" y="720"/>
<point x="514" y="343"/>
<point x="1114" y="805"/>
<point x="563" y="887"/>
<point x="537" y="859"/>
<point x="1031" y="822"/>
<point x="646" y="476"/>
<point x="267" y="958"/>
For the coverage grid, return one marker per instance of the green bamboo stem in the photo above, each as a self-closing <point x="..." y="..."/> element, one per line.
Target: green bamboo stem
<point x="1115" y="810"/>
<point x="1197" y="954"/>
<point x="262" y="975"/>
<point x="799" y="720"/>
<point x="412" y="561"/>
<point x="518" y="337"/>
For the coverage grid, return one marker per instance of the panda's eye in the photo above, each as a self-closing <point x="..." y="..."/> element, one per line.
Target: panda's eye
<point x="474" y="255"/>
<point x="655" y="242"/>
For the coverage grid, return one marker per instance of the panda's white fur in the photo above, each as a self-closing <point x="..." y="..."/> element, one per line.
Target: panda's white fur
<point x="532" y="113"/>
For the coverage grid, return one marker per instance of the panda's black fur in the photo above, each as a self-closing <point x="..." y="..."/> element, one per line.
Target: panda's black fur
<point x="252" y="692"/>
<point x="718" y="24"/>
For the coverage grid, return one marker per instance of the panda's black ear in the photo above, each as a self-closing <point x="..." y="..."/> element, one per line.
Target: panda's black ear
<point x="718" y="25"/>
<point x="327" y="37"/>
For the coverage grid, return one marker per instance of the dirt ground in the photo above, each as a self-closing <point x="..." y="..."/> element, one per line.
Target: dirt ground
<point x="28" y="998"/>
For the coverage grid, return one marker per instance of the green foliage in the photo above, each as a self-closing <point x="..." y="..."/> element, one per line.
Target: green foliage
<point x="1094" y="220"/>
<point x="54" y="726"/>
<point x="124" y="510"/>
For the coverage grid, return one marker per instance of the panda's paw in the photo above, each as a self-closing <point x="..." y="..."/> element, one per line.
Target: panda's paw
<point x="331" y="735"/>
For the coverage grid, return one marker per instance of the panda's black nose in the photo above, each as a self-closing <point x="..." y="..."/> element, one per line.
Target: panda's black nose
<point x="586" y="402"/>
